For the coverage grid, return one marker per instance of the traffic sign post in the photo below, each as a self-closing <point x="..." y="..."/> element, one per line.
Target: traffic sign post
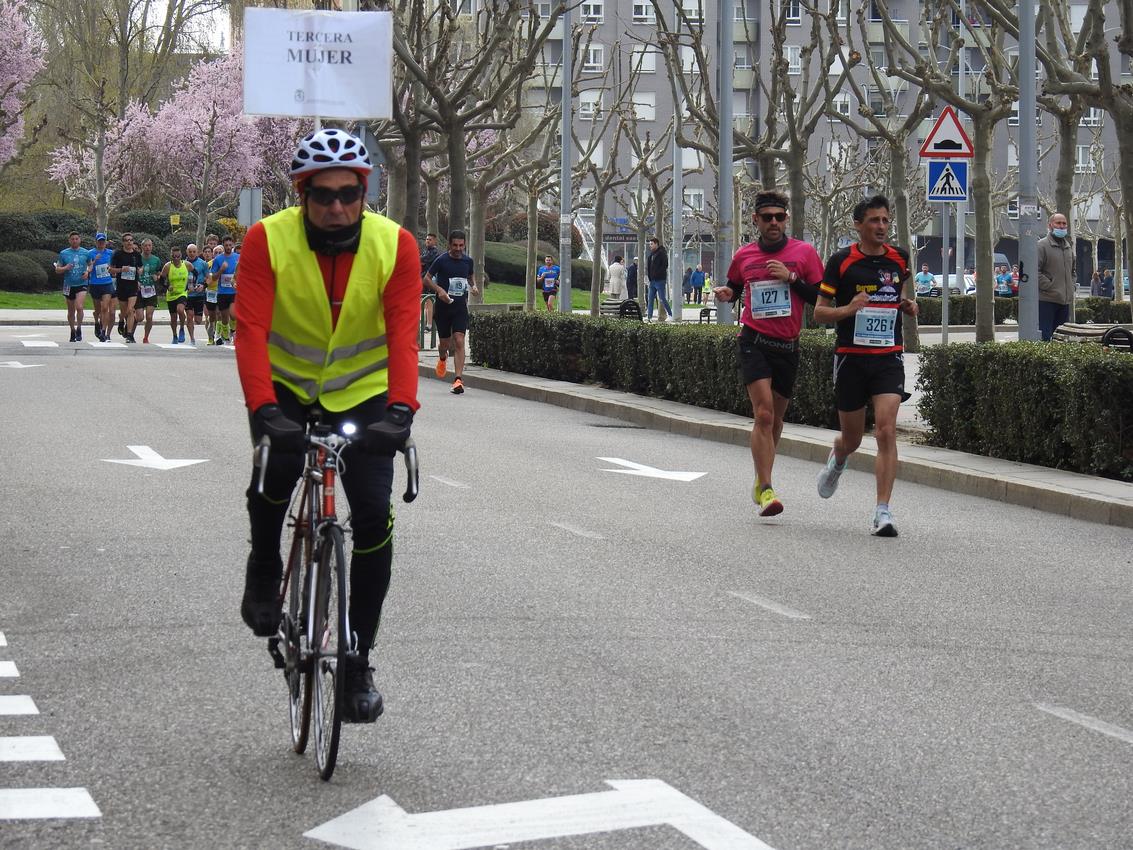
<point x="947" y="180"/>
<point x="947" y="139"/>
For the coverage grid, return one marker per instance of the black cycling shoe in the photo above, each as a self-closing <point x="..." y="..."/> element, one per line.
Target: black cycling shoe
<point x="261" y="607"/>
<point x="362" y="702"/>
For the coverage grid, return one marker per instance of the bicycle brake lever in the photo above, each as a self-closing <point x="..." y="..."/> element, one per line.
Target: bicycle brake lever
<point x="260" y="461"/>
<point x="412" y="484"/>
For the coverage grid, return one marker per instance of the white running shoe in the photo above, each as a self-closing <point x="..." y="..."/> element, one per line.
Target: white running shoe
<point x="828" y="478"/>
<point x="883" y="523"/>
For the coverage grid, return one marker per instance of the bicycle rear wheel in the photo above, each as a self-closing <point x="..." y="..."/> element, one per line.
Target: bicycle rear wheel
<point x="329" y="651"/>
<point x="297" y="669"/>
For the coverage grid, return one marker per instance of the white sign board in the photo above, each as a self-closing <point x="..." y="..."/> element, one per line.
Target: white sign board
<point x="325" y="64"/>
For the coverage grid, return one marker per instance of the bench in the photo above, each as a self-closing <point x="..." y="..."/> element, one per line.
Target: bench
<point x="707" y="316"/>
<point x="1113" y="336"/>
<point x="614" y="309"/>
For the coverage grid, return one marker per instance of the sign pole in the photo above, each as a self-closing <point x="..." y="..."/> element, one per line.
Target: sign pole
<point x="944" y="294"/>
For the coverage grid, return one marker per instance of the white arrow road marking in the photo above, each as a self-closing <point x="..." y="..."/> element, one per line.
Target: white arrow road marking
<point x="649" y="471"/>
<point x="382" y="824"/>
<point x="1092" y="723"/>
<point x="150" y="459"/>
<point x="460" y="485"/>
<point x="581" y="532"/>
<point x="8" y="670"/>
<point x="38" y="803"/>
<point x="30" y="748"/>
<point x="770" y="605"/>
<point x="16" y="364"/>
<point x="39" y="343"/>
<point x="10" y="705"/>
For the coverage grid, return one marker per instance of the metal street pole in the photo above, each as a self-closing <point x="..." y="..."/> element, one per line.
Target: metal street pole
<point x="944" y="237"/>
<point x="1028" y="164"/>
<point x="567" y="153"/>
<point x="676" y="252"/>
<point x="724" y="199"/>
<point x="960" y="206"/>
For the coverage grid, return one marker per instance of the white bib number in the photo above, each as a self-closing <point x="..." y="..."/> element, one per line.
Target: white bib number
<point x="227" y="281"/>
<point x="147" y="290"/>
<point x="457" y="286"/>
<point x="875" y="326"/>
<point x="102" y="270"/>
<point x="128" y="273"/>
<point x="770" y="299"/>
<point x="210" y="296"/>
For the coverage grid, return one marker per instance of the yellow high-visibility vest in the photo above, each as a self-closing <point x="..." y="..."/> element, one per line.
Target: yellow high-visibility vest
<point x="342" y="365"/>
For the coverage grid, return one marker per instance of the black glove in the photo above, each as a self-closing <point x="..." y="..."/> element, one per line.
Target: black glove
<point x="389" y="435"/>
<point x="286" y="435"/>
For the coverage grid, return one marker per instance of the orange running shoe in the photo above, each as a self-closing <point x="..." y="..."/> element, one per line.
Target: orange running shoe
<point x="441" y="368"/>
<point x="457" y="386"/>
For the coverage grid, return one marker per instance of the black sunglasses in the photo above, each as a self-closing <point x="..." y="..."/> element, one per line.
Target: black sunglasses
<point x="347" y="195"/>
<point x="769" y="217"/>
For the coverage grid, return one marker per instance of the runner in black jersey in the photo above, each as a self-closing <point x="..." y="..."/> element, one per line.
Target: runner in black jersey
<point x="866" y="282"/>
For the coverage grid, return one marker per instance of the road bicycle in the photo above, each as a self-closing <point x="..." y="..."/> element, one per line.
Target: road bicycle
<point x="315" y="639"/>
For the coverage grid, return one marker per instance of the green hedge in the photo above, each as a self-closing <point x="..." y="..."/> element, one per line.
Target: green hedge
<point x="692" y="364"/>
<point x="21" y="274"/>
<point x="64" y="221"/>
<point x="19" y="231"/>
<point x="1066" y="405"/>
<point x="45" y="260"/>
<point x="507" y="263"/>
<point x="961" y="310"/>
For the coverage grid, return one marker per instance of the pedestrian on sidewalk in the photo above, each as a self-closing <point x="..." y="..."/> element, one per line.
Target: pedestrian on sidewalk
<point x="617" y="273"/>
<point x="631" y="281"/>
<point x="657" y="271"/>
<point x="1058" y="271"/>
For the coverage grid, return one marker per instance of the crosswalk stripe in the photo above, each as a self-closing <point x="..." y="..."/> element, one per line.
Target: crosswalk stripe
<point x="8" y="670"/>
<point x="40" y="803"/>
<point x="30" y="748"/>
<point x="94" y="344"/>
<point x="39" y="343"/>
<point x="12" y="705"/>
<point x="180" y="346"/>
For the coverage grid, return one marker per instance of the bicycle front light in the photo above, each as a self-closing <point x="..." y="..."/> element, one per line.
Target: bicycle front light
<point x="349" y="429"/>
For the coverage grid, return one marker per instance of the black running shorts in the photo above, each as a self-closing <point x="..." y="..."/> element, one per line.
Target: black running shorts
<point x="73" y="291"/>
<point x="764" y="357"/>
<point x="859" y="377"/>
<point x="451" y="318"/>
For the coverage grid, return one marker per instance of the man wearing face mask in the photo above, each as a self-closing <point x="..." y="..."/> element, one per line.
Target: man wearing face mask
<point x="329" y="297"/>
<point x="1057" y="275"/>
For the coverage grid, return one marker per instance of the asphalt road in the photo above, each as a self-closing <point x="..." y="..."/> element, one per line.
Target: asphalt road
<point x="551" y="626"/>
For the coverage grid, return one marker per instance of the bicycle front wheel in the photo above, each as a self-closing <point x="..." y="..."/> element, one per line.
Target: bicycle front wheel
<point x="297" y="669"/>
<point x="329" y="650"/>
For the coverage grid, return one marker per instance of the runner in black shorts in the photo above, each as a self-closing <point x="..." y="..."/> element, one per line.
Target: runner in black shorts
<point x="451" y="277"/>
<point x="867" y="280"/>
<point x="126" y="265"/>
<point x="773" y="277"/>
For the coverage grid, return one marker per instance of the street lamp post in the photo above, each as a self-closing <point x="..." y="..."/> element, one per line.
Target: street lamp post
<point x="566" y="151"/>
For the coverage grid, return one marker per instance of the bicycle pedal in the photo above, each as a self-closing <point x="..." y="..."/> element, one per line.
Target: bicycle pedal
<point x="276" y="655"/>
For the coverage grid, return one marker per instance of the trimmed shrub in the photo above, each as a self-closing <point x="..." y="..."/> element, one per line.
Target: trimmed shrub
<point x="64" y="221"/>
<point x="1107" y="311"/>
<point x="689" y="363"/>
<point x="1083" y="315"/>
<point x="20" y="231"/>
<point x="144" y="221"/>
<point x="1060" y="405"/>
<point x="21" y="274"/>
<point x="46" y="261"/>
<point x="962" y="310"/>
<point x="515" y="230"/>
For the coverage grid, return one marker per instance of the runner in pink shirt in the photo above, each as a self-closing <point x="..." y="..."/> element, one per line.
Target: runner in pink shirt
<point x="773" y="276"/>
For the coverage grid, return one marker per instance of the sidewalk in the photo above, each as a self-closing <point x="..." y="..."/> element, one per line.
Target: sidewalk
<point x="1051" y="490"/>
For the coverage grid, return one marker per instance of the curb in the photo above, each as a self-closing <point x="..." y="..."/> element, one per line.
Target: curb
<point x="1072" y="495"/>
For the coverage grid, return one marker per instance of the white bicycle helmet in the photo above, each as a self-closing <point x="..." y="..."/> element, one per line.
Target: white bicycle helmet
<point x="330" y="148"/>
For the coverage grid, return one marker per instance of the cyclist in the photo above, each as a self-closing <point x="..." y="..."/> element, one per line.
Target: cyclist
<point x="866" y="280"/>
<point x="329" y="298"/>
<point x="773" y="276"/>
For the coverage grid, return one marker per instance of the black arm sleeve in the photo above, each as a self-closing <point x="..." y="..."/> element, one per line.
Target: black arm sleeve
<point x="737" y="291"/>
<point x="805" y="291"/>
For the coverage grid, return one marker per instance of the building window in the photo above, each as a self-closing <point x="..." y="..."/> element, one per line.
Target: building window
<point x="643" y="59"/>
<point x="589" y="104"/>
<point x="1013" y="118"/>
<point x="877" y="57"/>
<point x="694" y="11"/>
<point x="792" y="11"/>
<point x="645" y="105"/>
<point x="746" y="10"/>
<point x="552" y="53"/>
<point x="743" y="57"/>
<point x="875" y="11"/>
<point x="595" y="58"/>
<point x="1092" y="117"/>
<point x="841" y="104"/>
<point x="1084" y="160"/>
<point x="691" y="159"/>
<point x="876" y="103"/>
<point x="694" y="200"/>
<point x="593" y="11"/>
<point x="794" y="56"/>
<point x="843" y="11"/>
<point x="688" y="60"/>
<point x="544" y="10"/>
<point x="740" y="103"/>
<point x="644" y="13"/>
<point x="1013" y="209"/>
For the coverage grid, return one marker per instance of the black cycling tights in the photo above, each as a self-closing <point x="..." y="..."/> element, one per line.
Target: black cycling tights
<point x="367" y="480"/>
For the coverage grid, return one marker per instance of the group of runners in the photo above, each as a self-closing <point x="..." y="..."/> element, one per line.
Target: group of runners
<point x="199" y="286"/>
<point x="860" y="290"/>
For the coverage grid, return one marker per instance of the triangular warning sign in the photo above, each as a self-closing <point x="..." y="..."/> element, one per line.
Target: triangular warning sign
<point x="947" y="139"/>
<point x="948" y="185"/>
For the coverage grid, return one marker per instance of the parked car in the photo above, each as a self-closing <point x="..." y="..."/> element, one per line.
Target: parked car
<point x="938" y="285"/>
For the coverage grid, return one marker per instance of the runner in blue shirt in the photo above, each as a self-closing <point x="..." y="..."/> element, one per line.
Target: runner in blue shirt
<point x="923" y="280"/>
<point x="223" y="273"/>
<point x="101" y="284"/>
<point x="548" y="277"/>
<point x="73" y="262"/>
<point x="195" y="306"/>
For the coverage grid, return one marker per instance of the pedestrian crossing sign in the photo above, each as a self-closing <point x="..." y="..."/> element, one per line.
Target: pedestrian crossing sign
<point x="947" y="180"/>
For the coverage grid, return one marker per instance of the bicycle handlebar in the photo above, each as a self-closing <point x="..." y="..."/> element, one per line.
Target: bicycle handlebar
<point x="335" y="443"/>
